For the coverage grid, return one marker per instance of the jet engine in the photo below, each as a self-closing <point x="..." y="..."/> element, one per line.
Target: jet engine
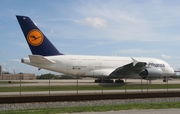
<point x="151" y="73"/>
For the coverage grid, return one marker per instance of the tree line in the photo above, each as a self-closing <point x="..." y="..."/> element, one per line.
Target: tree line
<point x="53" y="76"/>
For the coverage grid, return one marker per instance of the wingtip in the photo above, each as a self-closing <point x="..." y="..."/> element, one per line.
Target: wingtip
<point x="134" y="61"/>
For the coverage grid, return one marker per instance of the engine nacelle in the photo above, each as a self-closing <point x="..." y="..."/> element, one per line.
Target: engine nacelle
<point x="151" y="73"/>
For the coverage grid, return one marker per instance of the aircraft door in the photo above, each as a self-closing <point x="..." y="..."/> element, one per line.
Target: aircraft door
<point x="90" y="67"/>
<point x="68" y="67"/>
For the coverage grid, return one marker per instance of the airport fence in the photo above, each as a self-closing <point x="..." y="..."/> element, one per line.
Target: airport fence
<point x="83" y="86"/>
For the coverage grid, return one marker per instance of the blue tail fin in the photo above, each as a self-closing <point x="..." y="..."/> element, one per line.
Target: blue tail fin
<point x="37" y="41"/>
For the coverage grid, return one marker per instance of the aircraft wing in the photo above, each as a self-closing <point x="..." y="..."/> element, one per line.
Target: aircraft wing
<point x="134" y="67"/>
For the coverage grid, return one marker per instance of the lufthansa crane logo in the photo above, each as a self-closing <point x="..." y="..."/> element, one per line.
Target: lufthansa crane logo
<point x="35" y="37"/>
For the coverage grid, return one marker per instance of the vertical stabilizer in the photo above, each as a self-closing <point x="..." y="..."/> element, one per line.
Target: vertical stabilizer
<point x="37" y="41"/>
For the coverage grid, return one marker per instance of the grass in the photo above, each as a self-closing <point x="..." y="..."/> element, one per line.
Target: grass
<point x="87" y="87"/>
<point x="7" y="82"/>
<point x="79" y="109"/>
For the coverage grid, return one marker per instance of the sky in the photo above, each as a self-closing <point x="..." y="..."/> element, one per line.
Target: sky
<point x="132" y="28"/>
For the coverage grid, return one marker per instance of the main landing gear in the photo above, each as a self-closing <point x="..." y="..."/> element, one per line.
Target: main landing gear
<point x="165" y="80"/>
<point x="100" y="80"/>
<point x="119" y="81"/>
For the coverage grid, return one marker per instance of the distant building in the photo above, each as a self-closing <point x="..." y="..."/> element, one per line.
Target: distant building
<point x="16" y="76"/>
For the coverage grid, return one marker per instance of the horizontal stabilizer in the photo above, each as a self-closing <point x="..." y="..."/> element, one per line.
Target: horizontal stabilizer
<point x="40" y="59"/>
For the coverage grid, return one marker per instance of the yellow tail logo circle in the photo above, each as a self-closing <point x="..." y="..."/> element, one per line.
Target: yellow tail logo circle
<point x="35" y="37"/>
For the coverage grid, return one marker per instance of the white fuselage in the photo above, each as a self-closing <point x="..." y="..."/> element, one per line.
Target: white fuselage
<point x="96" y="66"/>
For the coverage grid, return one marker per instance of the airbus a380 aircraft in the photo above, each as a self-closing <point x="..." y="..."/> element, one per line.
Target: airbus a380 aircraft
<point x="46" y="56"/>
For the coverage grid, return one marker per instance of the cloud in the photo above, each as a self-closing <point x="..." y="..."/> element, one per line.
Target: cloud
<point x="3" y="51"/>
<point x="15" y="60"/>
<point x="132" y="51"/>
<point x="166" y="56"/>
<point x="51" y="31"/>
<point x="177" y="57"/>
<point x="3" y="69"/>
<point x="68" y="19"/>
<point x="127" y="20"/>
<point x="4" y="64"/>
<point x="169" y="57"/>
<point x="96" y="22"/>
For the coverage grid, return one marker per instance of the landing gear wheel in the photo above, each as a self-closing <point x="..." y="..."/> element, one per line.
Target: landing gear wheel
<point x="103" y="81"/>
<point x="165" y="80"/>
<point x="98" y="81"/>
<point x="119" y="81"/>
